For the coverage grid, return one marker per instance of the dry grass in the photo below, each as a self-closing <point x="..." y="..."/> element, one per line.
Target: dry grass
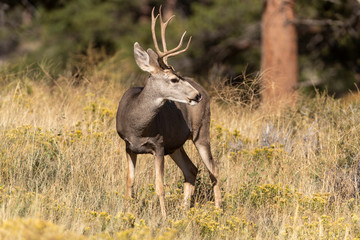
<point x="290" y="175"/>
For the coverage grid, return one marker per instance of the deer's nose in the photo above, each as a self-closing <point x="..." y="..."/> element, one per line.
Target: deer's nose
<point x="198" y="97"/>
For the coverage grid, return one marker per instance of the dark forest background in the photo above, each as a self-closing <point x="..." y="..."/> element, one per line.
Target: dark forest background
<point x="226" y="37"/>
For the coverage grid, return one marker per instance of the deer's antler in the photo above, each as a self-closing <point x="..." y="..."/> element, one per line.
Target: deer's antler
<point x="165" y="54"/>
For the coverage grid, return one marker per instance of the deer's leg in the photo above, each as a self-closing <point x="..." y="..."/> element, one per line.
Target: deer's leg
<point x="131" y="158"/>
<point x="189" y="170"/>
<point x="205" y="153"/>
<point x="159" y="177"/>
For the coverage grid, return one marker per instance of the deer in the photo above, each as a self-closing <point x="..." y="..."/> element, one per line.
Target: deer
<point x="160" y="117"/>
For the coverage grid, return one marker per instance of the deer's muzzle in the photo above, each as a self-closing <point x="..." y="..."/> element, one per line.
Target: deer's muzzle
<point x="195" y="100"/>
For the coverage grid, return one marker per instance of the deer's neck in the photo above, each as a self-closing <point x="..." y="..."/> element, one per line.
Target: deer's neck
<point x="147" y="105"/>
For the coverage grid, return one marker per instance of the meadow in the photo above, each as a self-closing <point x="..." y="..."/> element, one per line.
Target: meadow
<point x="292" y="174"/>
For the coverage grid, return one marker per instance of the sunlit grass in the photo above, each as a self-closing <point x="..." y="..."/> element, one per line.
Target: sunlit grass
<point x="289" y="175"/>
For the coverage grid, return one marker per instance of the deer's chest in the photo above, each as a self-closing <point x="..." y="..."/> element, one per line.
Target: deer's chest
<point x="165" y="133"/>
<point x="142" y="145"/>
<point x="156" y="144"/>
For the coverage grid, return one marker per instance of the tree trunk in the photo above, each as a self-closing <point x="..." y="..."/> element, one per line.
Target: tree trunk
<point x="279" y="62"/>
<point x="170" y="6"/>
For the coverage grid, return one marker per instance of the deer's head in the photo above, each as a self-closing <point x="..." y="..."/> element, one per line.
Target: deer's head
<point x="165" y="81"/>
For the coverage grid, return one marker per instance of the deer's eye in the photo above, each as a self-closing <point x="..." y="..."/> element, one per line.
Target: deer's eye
<point x="174" y="80"/>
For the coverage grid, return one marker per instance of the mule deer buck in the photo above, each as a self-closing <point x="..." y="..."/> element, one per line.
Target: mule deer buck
<point x="161" y="116"/>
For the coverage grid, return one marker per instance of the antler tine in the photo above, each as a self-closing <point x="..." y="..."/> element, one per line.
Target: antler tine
<point x="165" y="54"/>
<point x="163" y="26"/>
<point x="174" y="52"/>
<point x="153" y="23"/>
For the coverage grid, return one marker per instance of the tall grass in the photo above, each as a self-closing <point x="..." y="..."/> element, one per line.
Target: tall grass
<point x="287" y="175"/>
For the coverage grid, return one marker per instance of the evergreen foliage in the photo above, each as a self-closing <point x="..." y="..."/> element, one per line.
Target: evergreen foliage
<point x="226" y="35"/>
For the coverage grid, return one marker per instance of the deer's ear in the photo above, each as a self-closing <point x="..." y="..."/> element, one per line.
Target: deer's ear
<point x="143" y="60"/>
<point x="153" y="57"/>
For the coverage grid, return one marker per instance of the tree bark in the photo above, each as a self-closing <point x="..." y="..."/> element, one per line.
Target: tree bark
<point x="170" y="6"/>
<point x="279" y="62"/>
